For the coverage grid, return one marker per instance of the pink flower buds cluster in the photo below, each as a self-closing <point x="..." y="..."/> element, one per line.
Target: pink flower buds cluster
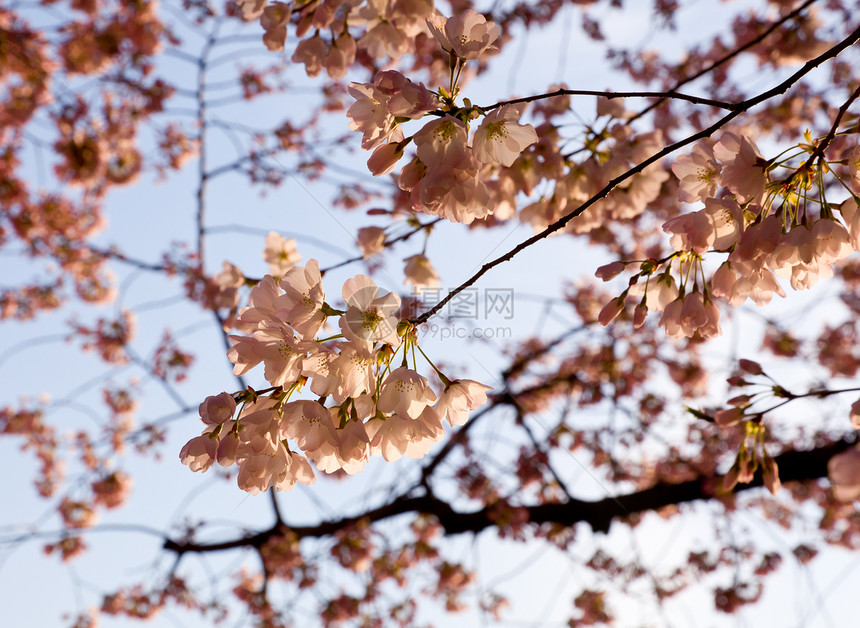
<point x="447" y="177"/>
<point x="762" y="225"/>
<point x="375" y="409"/>
<point x="388" y="30"/>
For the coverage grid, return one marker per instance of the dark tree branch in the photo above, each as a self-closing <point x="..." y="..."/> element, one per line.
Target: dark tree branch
<point x="671" y="94"/>
<point x="794" y="466"/>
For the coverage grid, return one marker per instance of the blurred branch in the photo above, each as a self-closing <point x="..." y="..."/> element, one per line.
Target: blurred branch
<point x="794" y="466"/>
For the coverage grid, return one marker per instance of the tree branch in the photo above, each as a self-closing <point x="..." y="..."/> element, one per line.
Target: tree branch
<point x="696" y="100"/>
<point x="794" y="466"/>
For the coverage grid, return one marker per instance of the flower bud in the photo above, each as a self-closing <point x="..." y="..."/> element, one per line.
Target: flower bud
<point x="608" y="271"/>
<point x="384" y="159"/>
<point x="730" y="417"/>
<point x="611" y="311"/>
<point x="750" y="367"/>
<point x="770" y="475"/>
<point x="639" y="315"/>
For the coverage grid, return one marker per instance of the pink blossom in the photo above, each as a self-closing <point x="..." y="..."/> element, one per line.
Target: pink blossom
<point x="251" y="9"/>
<point x="302" y="301"/>
<point x="851" y="215"/>
<point x="467" y="35"/>
<point x="228" y="449"/>
<point x="261" y="305"/>
<point x="280" y="253"/>
<point x="723" y="280"/>
<point x="384" y="158"/>
<point x="420" y="272"/>
<point x="369" y="115"/>
<point x="340" y="56"/>
<point x="691" y="314"/>
<point x="832" y="240"/>
<point x="753" y="282"/>
<point x="441" y="141"/>
<point x="354" y="450"/>
<point x="854" y="167"/>
<point x="264" y="463"/>
<point x="405" y="392"/>
<point x="295" y="470"/>
<point x="609" y="271"/>
<point x="228" y="282"/>
<point x="698" y="172"/>
<point x="759" y="239"/>
<point x="274" y="19"/>
<point x="611" y="311"/>
<point x="640" y="313"/>
<point x="500" y="139"/>
<point x="245" y="353"/>
<point x="743" y="166"/>
<point x="843" y="471"/>
<point x="311" y="426"/>
<point x="369" y="318"/>
<point x="750" y="367"/>
<point x="770" y="474"/>
<point x="613" y="107"/>
<point x="371" y="240"/>
<point x="658" y="291"/>
<point x="261" y="417"/>
<point x="404" y="99"/>
<point x="453" y="190"/>
<point x="384" y="40"/>
<point x="217" y="409"/>
<point x="396" y="435"/>
<point x="855" y="415"/>
<point x="718" y="226"/>
<point x="318" y="366"/>
<point x="690" y="232"/>
<point x="460" y="397"/>
<point x="353" y="369"/>
<point x="312" y="52"/>
<point x="280" y="351"/>
<point x="729" y="417"/>
<point x="199" y="453"/>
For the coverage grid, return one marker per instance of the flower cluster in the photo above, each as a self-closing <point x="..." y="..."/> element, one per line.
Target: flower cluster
<point x="767" y="227"/>
<point x="377" y="408"/>
<point x="388" y="29"/>
<point x="448" y="176"/>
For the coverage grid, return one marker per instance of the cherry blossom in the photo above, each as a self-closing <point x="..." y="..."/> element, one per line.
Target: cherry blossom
<point x="406" y="393"/>
<point x="459" y="398"/>
<point x="744" y="169"/>
<point x="843" y="470"/>
<point x="500" y="139"/>
<point x="699" y="173"/>
<point x="280" y="253"/>
<point x="420" y="273"/>
<point x="369" y="318"/>
<point x="371" y="240"/>
<point x="467" y="35"/>
<point x="217" y="409"/>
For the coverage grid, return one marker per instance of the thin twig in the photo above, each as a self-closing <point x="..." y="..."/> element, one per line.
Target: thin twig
<point x="696" y="100"/>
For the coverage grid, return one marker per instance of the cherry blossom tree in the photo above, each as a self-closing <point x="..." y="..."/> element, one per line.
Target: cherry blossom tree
<point x="239" y="239"/>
